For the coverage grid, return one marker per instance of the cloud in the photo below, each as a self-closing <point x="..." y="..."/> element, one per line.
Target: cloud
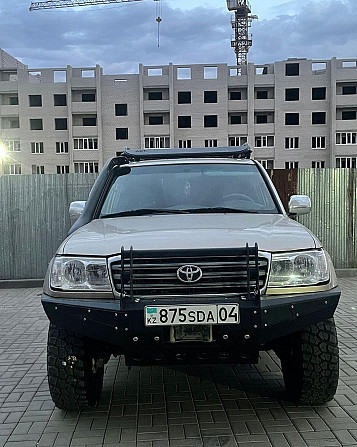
<point x="117" y="37"/>
<point x="120" y="36"/>
<point x="318" y="30"/>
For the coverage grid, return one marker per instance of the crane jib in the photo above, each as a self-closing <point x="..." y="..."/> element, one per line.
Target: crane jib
<point x="67" y="3"/>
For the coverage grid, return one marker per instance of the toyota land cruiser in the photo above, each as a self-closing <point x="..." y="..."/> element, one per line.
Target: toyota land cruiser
<point x="186" y="257"/>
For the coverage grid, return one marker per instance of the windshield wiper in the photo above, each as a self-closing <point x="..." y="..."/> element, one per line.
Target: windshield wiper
<point x="148" y="211"/>
<point x="220" y="209"/>
<point x="143" y="212"/>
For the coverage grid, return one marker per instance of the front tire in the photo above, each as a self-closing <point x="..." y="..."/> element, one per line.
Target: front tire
<point x="75" y="369"/>
<point x="310" y="363"/>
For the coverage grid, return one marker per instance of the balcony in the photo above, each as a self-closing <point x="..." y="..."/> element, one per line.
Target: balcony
<point x="162" y="105"/>
<point x="7" y="110"/>
<point x="346" y="125"/>
<point x="84" y="107"/>
<point x="156" y="81"/>
<point x="11" y="134"/>
<point x="264" y="80"/>
<point x="79" y="82"/>
<point x="346" y="100"/>
<point x="264" y="104"/>
<point x="265" y="129"/>
<point x="238" y="129"/>
<point x="346" y="74"/>
<point x="159" y="129"/>
<point x="238" y="106"/>
<point x="238" y="81"/>
<point x="8" y="80"/>
<point x="264" y="152"/>
<point x="86" y="155"/>
<point x="85" y="131"/>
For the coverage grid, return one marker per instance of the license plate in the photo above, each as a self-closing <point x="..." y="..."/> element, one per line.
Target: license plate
<point x="191" y="314"/>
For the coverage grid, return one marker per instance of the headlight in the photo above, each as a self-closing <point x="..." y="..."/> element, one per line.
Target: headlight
<point x="80" y="274"/>
<point x="298" y="269"/>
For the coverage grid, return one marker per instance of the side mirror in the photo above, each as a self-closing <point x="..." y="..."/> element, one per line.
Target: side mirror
<point x="75" y="210"/>
<point x="299" y="204"/>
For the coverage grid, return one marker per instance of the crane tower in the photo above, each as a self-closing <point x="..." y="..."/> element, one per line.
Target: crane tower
<point x="241" y="22"/>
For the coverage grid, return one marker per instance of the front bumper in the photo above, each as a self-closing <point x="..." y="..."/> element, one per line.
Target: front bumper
<point x="261" y="322"/>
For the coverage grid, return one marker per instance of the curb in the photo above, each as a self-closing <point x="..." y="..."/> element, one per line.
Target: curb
<point x="346" y="273"/>
<point x="20" y="283"/>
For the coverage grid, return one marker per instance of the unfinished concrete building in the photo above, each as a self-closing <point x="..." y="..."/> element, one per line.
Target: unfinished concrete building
<point x="293" y="113"/>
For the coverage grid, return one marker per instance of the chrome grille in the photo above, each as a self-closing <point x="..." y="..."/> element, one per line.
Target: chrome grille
<point x="141" y="274"/>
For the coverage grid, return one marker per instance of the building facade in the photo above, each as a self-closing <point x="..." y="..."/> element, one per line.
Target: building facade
<point x="293" y="113"/>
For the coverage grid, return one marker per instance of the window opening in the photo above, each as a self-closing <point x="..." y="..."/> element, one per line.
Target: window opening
<point x="291" y="142"/>
<point x="154" y="71"/>
<point x="88" y="73"/>
<point x="210" y="72"/>
<point x="184" y="97"/>
<point x="292" y="69"/>
<point x="183" y="73"/>
<point x="318" y="142"/>
<point x="37" y="148"/>
<point x="292" y="94"/>
<point x="59" y="76"/>
<point x="318" y="117"/>
<point x="184" y="121"/>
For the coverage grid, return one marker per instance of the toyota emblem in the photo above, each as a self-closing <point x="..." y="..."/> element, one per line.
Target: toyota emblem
<point x="189" y="273"/>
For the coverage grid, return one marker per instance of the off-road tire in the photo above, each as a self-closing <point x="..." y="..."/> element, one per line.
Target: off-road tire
<point x="310" y="363"/>
<point x="74" y="378"/>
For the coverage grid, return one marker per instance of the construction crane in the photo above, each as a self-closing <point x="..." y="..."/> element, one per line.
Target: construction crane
<point x="50" y="4"/>
<point x="241" y="22"/>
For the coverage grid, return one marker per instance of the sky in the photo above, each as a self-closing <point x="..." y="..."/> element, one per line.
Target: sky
<point x="120" y="36"/>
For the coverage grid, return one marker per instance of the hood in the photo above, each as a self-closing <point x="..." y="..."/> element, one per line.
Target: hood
<point x="105" y="237"/>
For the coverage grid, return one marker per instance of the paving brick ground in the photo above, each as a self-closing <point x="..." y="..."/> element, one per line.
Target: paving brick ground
<point x="213" y="406"/>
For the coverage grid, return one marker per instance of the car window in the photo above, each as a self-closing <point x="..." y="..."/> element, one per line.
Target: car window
<point x="189" y="186"/>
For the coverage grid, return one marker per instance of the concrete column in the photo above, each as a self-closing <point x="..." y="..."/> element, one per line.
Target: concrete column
<point x="141" y="106"/>
<point x="332" y="123"/>
<point x="70" y="117"/>
<point x="172" y="105"/>
<point x="250" y="104"/>
<point x="98" y="97"/>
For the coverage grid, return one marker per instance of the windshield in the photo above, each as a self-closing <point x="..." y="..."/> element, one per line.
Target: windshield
<point x="188" y="188"/>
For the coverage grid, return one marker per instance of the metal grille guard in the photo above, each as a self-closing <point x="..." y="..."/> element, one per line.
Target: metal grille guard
<point x="128" y="277"/>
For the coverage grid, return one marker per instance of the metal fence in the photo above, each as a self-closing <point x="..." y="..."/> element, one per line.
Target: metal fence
<point x="34" y="219"/>
<point x="34" y="215"/>
<point x="333" y="215"/>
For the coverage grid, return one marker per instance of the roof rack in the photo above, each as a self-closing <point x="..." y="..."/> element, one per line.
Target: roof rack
<point x="238" y="152"/>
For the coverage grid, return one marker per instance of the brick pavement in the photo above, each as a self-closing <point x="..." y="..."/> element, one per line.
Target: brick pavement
<point x="159" y="407"/>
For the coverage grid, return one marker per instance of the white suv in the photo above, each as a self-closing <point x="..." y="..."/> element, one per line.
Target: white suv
<point x="189" y="258"/>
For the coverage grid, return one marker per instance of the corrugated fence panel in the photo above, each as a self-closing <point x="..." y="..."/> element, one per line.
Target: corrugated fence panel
<point x="6" y="245"/>
<point x="35" y="219"/>
<point x="328" y="220"/>
<point x="354" y="218"/>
